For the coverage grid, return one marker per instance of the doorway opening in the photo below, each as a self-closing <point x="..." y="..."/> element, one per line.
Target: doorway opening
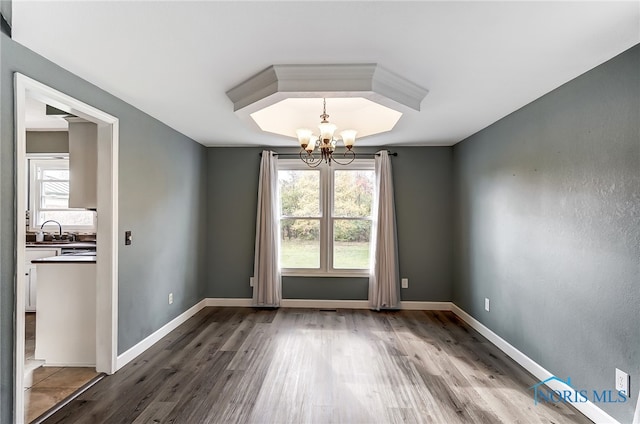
<point x="106" y="264"/>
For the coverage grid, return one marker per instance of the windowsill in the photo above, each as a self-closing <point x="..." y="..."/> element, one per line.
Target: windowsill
<point x="322" y="274"/>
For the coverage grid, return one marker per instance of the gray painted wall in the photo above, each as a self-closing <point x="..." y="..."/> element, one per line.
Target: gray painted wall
<point x="424" y="211"/>
<point x="5" y="10"/>
<point x="422" y="178"/>
<point x="161" y="199"/>
<point x="547" y="226"/>
<point x="47" y="142"/>
<point x="232" y="187"/>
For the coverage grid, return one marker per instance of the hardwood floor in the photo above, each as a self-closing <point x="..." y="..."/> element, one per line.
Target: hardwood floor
<point x="240" y="365"/>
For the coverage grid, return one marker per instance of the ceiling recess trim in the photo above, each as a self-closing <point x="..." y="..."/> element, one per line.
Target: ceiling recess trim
<point x="369" y="80"/>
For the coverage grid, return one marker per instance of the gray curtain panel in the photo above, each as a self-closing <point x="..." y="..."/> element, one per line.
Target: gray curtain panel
<point x="384" y="280"/>
<point x="267" y="284"/>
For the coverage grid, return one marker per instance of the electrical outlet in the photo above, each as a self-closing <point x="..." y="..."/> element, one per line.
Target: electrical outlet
<point x="405" y="283"/>
<point x="486" y="304"/>
<point x="622" y="382"/>
<point x="250" y="281"/>
<point x="170" y="298"/>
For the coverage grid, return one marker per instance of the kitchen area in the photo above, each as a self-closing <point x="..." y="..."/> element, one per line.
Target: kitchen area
<point x="60" y="258"/>
<point x="62" y="295"/>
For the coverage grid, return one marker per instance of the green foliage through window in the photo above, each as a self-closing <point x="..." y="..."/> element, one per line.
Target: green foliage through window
<point x="303" y="207"/>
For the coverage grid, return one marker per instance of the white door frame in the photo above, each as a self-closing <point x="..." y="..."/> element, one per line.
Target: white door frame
<point x="107" y="232"/>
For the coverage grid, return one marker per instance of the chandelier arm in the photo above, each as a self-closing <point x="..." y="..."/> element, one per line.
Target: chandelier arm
<point x="348" y="154"/>
<point x="310" y="160"/>
<point x="314" y="164"/>
<point x="304" y="154"/>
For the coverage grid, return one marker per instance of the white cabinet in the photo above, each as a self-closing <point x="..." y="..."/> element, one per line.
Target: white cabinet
<point x="83" y="161"/>
<point x="66" y="318"/>
<point x="31" y="274"/>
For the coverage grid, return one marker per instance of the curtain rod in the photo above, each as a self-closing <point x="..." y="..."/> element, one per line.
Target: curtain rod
<point x="357" y="154"/>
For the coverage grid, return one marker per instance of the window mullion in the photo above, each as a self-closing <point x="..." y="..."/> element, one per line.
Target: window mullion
<point x="324" y="220"/>
<point x="330" y="200"/>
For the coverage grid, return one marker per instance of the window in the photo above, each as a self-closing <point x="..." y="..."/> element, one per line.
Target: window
<point x="49" y="197"/>
<point x="325" y="217"/>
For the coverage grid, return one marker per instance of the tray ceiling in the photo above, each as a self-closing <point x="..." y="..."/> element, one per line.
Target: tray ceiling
<point x="479" y="60"/>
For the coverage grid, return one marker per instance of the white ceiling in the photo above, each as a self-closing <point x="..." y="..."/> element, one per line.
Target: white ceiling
<point x="479" y="60"/>
<point x="36" y="118"/>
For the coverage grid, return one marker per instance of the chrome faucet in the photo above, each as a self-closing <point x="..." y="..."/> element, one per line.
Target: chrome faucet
<point x="51" y="220"/>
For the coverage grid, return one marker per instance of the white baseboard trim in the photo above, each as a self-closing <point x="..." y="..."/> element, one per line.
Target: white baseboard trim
<point x="238" y="302"/>
<point x="69" y="365"/>
<point x="589" y="409"/>
<point x="152" y="339"/>
<point x="362" y="304"/>
<point x="292" y="303"/>
<point x="330" y="304"/>
<point x="425" y="306"/>
<point x="324" y="304"/>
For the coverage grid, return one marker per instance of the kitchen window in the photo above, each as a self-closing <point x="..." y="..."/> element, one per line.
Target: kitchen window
<point x="49" y="197"/>
<point x="325" y="218"/>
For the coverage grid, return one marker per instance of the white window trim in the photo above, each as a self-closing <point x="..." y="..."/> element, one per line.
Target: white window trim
<point x="326" y="219"/>
<point x="33" y="194"/>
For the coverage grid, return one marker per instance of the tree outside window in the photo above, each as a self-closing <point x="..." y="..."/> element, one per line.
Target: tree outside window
<point x="325" y="223"/>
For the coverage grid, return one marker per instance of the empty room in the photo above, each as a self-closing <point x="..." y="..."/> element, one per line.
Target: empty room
<point x="319" y="212"/>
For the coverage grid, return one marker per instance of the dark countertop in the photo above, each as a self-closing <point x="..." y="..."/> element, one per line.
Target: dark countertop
<point x="59" y="245"/>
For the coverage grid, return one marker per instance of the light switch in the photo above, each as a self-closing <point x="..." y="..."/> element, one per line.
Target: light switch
<point x="127" y="238"/>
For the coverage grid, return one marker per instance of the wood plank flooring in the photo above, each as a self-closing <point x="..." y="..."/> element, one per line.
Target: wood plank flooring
<point x="243" y="365"/>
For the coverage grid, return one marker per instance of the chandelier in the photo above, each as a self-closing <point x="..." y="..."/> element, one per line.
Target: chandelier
<point x="325" y="142"/>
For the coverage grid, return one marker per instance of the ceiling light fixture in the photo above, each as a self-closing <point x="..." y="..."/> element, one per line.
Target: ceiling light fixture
<point x="325" y="142"/>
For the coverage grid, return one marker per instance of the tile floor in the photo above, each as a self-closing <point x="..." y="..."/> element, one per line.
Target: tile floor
<point x="46" y="386"/>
